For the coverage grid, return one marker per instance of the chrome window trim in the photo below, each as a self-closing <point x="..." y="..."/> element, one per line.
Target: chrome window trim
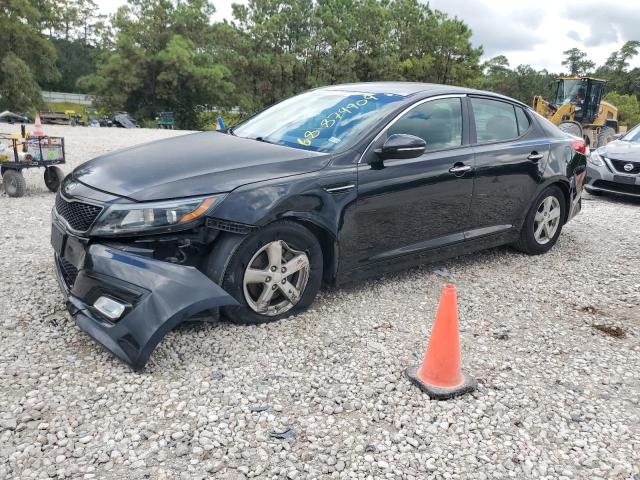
<point x="408" y="109"/>
<point x="340" y="189"/>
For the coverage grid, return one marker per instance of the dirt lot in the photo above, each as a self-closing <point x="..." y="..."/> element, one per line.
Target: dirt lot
<point x="553" y="341"/>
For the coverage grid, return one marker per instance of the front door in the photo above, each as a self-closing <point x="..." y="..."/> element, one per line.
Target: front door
<point x="409" y="205"/>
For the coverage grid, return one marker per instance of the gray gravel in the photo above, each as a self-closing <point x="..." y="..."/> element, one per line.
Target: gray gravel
<point x="322" y="395"/>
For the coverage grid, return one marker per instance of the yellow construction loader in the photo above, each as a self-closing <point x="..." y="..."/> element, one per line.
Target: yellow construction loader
<point x="578" y="109"/>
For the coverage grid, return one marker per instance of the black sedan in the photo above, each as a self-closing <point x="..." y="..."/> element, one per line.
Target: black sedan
<point x="615" y="167"/>
<point x="331" y="186"/>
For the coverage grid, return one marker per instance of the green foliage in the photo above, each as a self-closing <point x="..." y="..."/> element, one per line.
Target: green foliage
<point x="521" y="83"/>
<point x="167" y="55"/>
<point x="19" y="91"/>
<point x="161" y="61"/>
<point x="280" y="48"/>
<point x="577" y="62"/>
<point x="26" y="56"/>
<point x="74" y="60"/>
<point x="628" y="107"/>
<point x="616" y="72"/>
<point x="209" y="120"/>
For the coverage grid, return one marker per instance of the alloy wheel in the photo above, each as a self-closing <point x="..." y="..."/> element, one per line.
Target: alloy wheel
<point x="547" y="220"/>
<point x="275" y="278"/>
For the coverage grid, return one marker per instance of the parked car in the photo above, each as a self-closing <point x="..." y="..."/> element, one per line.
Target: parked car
<point x="333" y="185"/>
<point x="10" y="117"/>
<point x="615" y="167"/>
<point x="124" y="120"/>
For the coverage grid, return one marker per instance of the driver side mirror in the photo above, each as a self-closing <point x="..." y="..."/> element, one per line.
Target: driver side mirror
<point x="400" y="146"/>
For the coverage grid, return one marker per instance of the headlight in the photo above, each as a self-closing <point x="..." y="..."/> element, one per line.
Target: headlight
<point x="595" y="159"/>
<point x="126" y="218"/>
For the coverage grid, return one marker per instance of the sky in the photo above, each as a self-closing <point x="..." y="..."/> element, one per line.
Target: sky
<point x="533" y="32"/>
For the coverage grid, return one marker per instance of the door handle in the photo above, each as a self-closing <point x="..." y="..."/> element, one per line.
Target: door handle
<point x="535" y="156"/>
<point x="459" y="168"/>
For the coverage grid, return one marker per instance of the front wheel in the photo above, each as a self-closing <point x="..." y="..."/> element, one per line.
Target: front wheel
<point x="543" y="224"/>
<point x="274" y="273"/>
<point x="606" y="135"/>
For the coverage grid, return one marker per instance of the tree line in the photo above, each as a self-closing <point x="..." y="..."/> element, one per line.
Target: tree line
<point x="168" y="55"/>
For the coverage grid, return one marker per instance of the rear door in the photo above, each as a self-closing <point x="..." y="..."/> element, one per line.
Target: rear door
<point x="510" y="154"/>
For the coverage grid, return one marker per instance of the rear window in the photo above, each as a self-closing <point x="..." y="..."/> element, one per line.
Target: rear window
<point x="495" y="120"/>
<point x="549" y="128"/>
<point x="523" y="120"/>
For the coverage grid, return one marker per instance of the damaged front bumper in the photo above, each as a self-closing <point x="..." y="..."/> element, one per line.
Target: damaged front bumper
<point x="155" y="295"/>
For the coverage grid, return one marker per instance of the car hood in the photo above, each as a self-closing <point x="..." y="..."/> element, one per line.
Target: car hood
<point x="191" y="165"/>
<point x="621" y="150"/>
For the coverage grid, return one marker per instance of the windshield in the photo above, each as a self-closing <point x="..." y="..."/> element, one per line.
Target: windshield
<point x="571" y="91"/>
<point x="633" y="135"/>
<point x="319" y="120"/>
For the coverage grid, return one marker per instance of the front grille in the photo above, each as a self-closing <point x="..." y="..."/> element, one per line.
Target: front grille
<point x="617" y="187"/>
<point x="80" y="216"/>
<point x="619" y="166"/>
<point x="231" y="227"/>
<point x="69" y="272"/>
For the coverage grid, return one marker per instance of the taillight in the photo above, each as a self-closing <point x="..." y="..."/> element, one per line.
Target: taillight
<point x="579" y="146"/>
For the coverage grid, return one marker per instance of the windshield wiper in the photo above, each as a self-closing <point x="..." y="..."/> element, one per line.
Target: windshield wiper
<point x="264" y="140"/>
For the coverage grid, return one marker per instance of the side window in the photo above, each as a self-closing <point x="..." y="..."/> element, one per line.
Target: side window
<point x="495" y="120"/>
<point x="438" y="122"/>
<point x="523" y="120"/>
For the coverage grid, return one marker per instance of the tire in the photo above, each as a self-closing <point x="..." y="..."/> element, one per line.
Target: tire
<point x="294" y="240"/>
<point x="53" y="177"/>
<point x="605" y="136"/>
<point x="535" y="243"/>
<point x="14" y="183"/>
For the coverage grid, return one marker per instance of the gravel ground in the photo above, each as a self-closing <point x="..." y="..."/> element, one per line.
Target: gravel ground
<point x="553" y="341"/>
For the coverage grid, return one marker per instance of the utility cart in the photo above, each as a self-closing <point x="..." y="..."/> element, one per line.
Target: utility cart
<point x="166" y="120"/>
<point x="18" y="152"/>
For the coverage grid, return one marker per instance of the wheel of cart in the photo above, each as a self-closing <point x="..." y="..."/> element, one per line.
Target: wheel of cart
<point x="13" y="182"/>
<point x="20" y="152"/>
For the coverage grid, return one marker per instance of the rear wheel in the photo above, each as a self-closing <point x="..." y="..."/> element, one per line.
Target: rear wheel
<point x="605" y="136"/>
<point x="275" y="272"/>
<point x="53" y="177"/>
<point x="543" y="224"/>
<point x="14" y="183"/>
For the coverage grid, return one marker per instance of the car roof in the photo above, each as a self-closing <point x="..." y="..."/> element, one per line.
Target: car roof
<point x="407" y="89"/>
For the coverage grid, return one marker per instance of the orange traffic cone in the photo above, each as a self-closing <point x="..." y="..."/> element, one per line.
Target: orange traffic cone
<point x="440" y="375"/>
<point x="37" y="129"/>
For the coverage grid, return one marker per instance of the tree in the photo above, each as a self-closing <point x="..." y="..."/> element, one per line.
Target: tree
<point x="284" y="47"/>
<point x="19" y="91"/>
<point x="26" y="55"/>
<point x="577" y="62"/>
<point x="628" y="107"/>
<point x="615" y="70"/>
<point x="161" y="60"/>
